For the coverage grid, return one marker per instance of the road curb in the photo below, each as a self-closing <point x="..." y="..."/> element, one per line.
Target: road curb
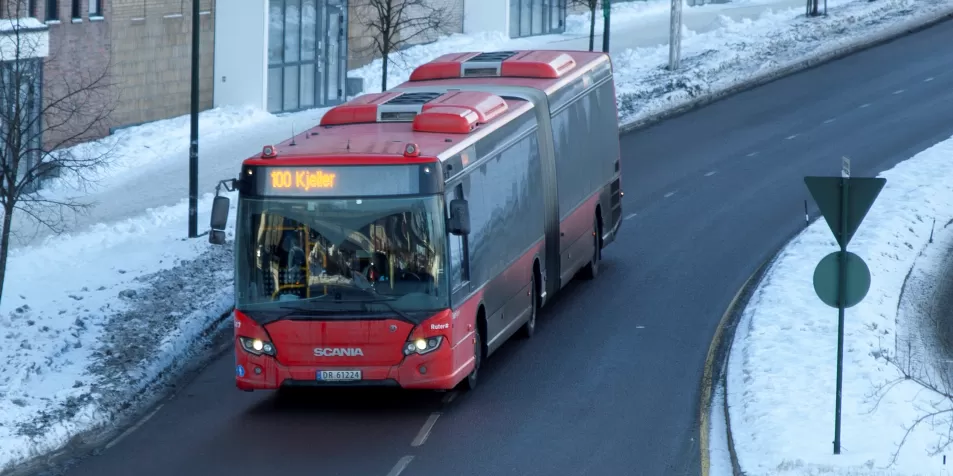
<point x="886" y="36"/>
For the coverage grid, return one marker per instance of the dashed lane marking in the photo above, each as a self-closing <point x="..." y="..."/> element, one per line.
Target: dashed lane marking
<point x="425" y="430"/>
<point x="400" y="466"/>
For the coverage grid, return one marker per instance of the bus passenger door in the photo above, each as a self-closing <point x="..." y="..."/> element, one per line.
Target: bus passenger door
<point x="464" y="308"/>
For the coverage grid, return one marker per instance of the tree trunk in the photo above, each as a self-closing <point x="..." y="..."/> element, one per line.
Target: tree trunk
<point x="592" y="25"/>
<point x="384" y="62"/>
<point x="5" y="245"/>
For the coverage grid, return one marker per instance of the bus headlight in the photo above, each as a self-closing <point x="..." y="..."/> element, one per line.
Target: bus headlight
<point x="422" y="346"/>
<point x="257" y="346"/>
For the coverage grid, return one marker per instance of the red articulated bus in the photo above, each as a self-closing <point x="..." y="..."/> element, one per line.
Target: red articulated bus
<point x="411" y="233"/>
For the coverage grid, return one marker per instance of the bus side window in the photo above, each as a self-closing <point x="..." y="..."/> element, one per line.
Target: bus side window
<point x="456" y="245"/>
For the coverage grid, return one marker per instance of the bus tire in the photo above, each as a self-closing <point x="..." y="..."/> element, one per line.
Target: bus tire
<point x="470" y="382"/>
<point x="529" y="327"/>
<point x="591" y="270"/>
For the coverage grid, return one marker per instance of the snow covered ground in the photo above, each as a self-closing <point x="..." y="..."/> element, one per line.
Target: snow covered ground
<point x="91" y="318"/>
<point x="781" y="370"/>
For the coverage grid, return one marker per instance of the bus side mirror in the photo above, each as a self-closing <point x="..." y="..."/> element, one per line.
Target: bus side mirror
<point x="459" y="223"/>
<point x="216" y="235"/>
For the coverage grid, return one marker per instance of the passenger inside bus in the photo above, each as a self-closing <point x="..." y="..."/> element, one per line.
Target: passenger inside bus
<point x="390" y="254"/>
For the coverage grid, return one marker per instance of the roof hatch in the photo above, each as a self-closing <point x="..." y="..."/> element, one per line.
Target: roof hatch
<point x="479" y="107"/>
<point x="543" y="64"/>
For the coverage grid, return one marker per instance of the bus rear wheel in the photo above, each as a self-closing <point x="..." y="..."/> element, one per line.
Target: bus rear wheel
<point x="592" y="269"/>
<point x="529" y="328"/>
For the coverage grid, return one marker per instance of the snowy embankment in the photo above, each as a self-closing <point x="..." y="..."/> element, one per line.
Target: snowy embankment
<point x="91" y="320"/>
<point x="781" y="370"/>
<point x="732" y="54"/>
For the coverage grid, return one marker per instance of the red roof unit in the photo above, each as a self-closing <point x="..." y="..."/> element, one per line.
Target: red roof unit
<point x="446" y="120"/>
<point x="543" y="64"/>
<point x="407" y="106"/>
<point x="487" y="106"/>
<point x="360" y="109"/>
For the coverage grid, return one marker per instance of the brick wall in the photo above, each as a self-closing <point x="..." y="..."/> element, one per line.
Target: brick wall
<point x="152" y="48"/>
<point x="79" y="59"/>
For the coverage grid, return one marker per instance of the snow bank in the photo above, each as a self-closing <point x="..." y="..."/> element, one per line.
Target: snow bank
<point x="90" y="319"/>
<point x="741" y="50"/>
<point x="729" y="55"/>
<point x="781" y="372"/>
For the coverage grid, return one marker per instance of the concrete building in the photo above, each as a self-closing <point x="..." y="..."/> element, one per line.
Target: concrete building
<point x="281" y="55"/>
<point x="289" y="55"/>
<point x="517" y="18"/>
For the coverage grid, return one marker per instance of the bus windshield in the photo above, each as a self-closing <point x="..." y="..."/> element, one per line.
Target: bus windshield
<point x="328" y="254"/>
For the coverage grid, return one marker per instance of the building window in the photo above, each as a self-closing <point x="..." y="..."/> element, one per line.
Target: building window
<point x="75" y="10"/>
<point x="32" y="8"/>
<point x="95" y="8"/>
<point x="52" y="10"/>
<point x="20" y="104"/>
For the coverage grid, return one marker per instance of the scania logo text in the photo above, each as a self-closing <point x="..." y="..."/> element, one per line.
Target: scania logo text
<point x="338" y="352"/>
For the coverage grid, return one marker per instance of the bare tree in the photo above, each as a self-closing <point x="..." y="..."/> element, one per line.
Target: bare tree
<point x="395" y="24"/>
<point x="592" y="6"/>
<point x="38" y="131"/>
<point x="922" y="356"/>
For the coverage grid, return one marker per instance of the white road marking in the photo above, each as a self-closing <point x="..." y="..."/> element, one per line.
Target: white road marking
<point x="791" y="136"/>
<point x="752" y="154"/>
<point x="425" y="430"/>
<point x="134" y="428"/>
<point x="899" y="91"/>
<point x="669" y="194"/>
<point x="640" y="327"/>
<point x="709" y="174"/>
<point x="927" y="80"/>
<point x="400" y="466"/>
<point x="449" y="397"/>
<point x="829" y="121"/>
<point x="864" y="105"/>
<point x="631" y="216"/>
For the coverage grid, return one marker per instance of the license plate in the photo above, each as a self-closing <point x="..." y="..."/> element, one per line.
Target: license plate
<point x="338" y="375"/>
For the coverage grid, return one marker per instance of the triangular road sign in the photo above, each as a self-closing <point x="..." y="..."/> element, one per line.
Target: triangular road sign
<point x="861" y="194"/>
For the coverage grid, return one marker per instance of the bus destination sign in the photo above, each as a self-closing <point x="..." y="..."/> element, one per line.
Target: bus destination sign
<point x="345" y="180"/>
<point x="300" y="179"/>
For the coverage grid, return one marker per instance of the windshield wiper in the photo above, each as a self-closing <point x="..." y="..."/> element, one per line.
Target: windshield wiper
<point x="375" y="298"/>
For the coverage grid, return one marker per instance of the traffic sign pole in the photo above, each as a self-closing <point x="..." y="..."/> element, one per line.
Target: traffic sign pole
<point x="841" y="302"/>
<point x="844" y="202"/>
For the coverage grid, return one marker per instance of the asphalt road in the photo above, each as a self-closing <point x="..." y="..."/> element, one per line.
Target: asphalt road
<point x="610" y="385"/>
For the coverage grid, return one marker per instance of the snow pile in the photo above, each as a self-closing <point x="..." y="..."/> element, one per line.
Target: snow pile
<point x="718" y="59"/>
<point x="740" y="50"/>
<point x="133" y="298"/>
<point x="781" y="372"/>
<point x="622" y="12"/>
